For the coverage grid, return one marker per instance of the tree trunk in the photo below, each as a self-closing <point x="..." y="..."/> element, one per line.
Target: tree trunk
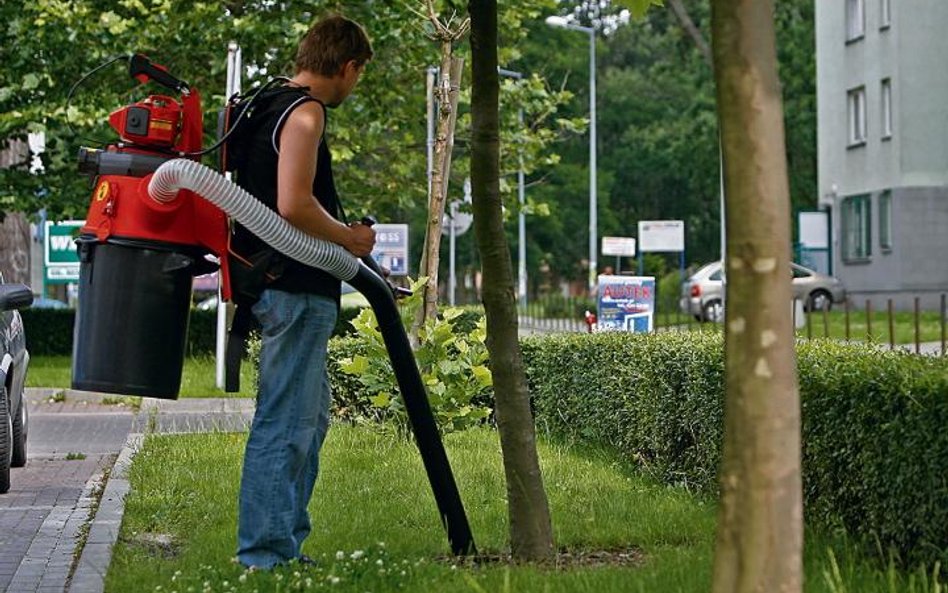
<point x="760" y="528"/>
<point x="14" y="227"/>
<point x="15" y="248"/>
<point x="451" y="68"/>
<point x="531" y="534"/>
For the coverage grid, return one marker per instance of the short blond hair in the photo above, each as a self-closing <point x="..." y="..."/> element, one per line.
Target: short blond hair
<point x="330" y="44"/>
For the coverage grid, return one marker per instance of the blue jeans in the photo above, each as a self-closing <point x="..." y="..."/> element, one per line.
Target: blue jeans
<point x="289" y="426"/>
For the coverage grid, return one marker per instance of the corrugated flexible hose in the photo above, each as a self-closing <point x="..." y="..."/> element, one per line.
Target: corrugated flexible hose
<point x="238" y="203"/>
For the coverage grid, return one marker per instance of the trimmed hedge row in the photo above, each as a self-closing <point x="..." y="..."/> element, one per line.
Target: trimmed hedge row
<point x="49" y="331"/>
<point x="875" y="442"/>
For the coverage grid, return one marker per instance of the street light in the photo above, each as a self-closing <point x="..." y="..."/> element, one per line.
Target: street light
<point x="521" y="221"/>
<point x="563" y="23"/>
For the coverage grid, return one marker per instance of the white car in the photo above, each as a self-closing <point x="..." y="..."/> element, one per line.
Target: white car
<point x="701" y="294"/>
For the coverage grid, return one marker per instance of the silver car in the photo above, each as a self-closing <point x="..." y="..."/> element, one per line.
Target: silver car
<point x="701" y="294"/>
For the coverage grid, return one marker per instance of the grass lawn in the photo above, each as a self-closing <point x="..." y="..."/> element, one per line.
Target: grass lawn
<point x="860" y="325"/>
<point x="376" y="527"/>
<point x="861" y="328"/>
<point x="197" y="379"/>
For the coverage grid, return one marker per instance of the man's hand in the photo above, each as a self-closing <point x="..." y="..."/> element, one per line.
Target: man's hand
<point x="361" y="239"/>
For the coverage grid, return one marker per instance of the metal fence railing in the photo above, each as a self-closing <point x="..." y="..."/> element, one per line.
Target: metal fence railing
<point x="923" y="331"/>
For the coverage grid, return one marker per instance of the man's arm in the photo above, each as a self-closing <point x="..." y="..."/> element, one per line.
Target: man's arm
<point x="296" y="170"/>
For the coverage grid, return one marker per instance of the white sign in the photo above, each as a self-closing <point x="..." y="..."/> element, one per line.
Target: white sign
<point x="391" y="247"/>
<point x="618" y="246"/>
<point x="456" y="219"/>
<point x="661" y="235"/>
<point x="814" y="230"/>
<point x="60" y="258"/>
<point x="65" y="273"/>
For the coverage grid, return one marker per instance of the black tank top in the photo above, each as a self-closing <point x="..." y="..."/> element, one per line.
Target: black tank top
<point x="255" y="160"/>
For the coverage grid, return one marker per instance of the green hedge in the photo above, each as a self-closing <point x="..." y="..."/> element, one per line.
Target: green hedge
<point x="875" y="423"/>
<point x="875" y="442"/>
<point x="49" y="331"/>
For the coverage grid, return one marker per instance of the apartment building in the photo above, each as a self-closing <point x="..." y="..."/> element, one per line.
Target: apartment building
<point x="882" y="101"/>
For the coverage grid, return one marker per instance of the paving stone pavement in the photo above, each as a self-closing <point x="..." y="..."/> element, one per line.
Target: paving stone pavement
<point x="74" y="439"/>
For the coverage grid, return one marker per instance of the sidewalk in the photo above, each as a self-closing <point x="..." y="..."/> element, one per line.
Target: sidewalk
<point x="75" y="438"/>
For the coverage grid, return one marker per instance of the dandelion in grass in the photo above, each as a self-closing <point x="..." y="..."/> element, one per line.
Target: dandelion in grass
<point x="340" y="555"/>
<point x="357" y="554"/>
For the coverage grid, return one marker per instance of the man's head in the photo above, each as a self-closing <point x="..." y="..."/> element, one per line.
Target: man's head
<point x="336" y="48"/>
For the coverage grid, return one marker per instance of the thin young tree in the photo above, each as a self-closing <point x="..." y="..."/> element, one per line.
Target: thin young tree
<point x="760" y="531"/>
<point x="531" y="534"/>
<point x="446" y="32"/>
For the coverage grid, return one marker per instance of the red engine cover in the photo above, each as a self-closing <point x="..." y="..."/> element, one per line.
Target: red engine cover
<point x="154" y="121"/>
<point x="121" y="207"/>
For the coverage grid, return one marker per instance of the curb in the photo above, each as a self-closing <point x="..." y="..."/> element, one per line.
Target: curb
<point x="96" y="555"/>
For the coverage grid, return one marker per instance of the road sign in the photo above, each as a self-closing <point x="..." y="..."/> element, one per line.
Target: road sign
<point x="661" y="235"/>
<point x="60" y="258"/>
<point x="626" y="303"/>
<point x="391" y="247"/>
<point x="461" y="221"/>
<point x="618" y="246"/>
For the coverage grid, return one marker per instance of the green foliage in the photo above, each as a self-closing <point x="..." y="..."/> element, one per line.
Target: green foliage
<point x="669" y="291"/>
<point x="874" y="444"/>
<point x="378" y="138"/>
<point x="639" y="7"/>
<point x="557" y="306"/>
<point x="202" y="332"/>
<point x="48" y="331"/>
<point x="657" y="128"/>
<point x="453" y="366"/>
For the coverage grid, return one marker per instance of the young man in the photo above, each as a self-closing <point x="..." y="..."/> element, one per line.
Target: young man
<point x="289" y="168"/>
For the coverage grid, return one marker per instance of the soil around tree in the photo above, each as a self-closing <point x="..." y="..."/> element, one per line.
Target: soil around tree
<point x="564" y="559"/>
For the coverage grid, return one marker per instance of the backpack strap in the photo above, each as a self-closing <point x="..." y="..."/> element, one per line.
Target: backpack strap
<point x="237" y="347"/>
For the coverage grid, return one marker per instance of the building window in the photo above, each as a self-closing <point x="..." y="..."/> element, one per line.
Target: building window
<point x="855" y="19"/>
<point x="885" y="14"/>
<point x="885" y="220"/>
<point x="856" y="100"/>
<point x="856" y="221"/>
<point x="886" y="108"/>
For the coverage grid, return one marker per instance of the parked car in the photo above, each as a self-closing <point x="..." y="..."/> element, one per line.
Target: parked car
<point x="701" y="294"/>
<point x="14" y="359"/>
<point x="40" y="302"/>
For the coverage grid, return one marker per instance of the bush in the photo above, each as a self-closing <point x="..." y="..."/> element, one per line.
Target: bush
<point x="875" y="447"/>
<point x="48" y="331"/>
<point x="451" y="357"/>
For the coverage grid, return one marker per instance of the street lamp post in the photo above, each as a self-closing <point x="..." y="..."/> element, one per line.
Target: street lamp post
<point x="563" y="23"/>
<point x="521" y="220"/>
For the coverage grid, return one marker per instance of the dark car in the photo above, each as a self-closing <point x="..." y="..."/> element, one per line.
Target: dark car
<point x="14" y="359"/>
